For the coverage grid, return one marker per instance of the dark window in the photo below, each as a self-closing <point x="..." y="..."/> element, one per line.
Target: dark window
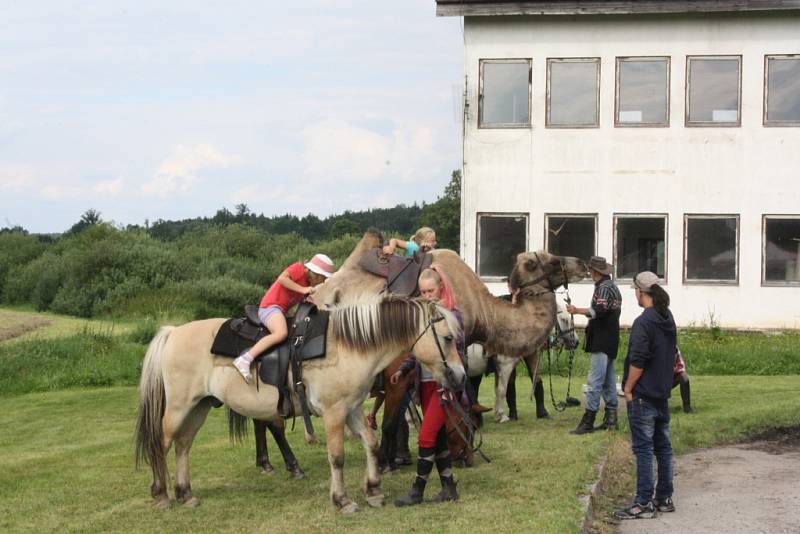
<point x="643" y="91"/>
<point x="713" y="90"/>
<point x="782" y="94"/>
<point x="573" y="93"/>
<point x="505" y="93"/>
<point x="571" y="235"/>
<point x="640" y="245"/>
<point x="782" y="250"/>
<point x="710" y="248"/>
<point x="500" y="239"/>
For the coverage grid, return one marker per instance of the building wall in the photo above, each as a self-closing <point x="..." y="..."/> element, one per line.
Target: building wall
<point x="749" y="170"/>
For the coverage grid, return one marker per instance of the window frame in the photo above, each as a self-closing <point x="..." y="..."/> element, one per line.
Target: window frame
<point x="775" y="123"/>
<point x="685" y="267"/>
<point x="687" y="103"/>
<point x="615" y="262"/>
<point x="550" y="61"/>
<point x="499" y="125"/>
<point x="764" y="281"/>
<point x="622" y="59"/>
<point x="573" y="216"/>
<point x="510" y="214"/>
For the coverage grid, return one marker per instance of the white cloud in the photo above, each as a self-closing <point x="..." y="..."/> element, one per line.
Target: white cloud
<point x="16" y="177"/>
<point x="338" y="151"/>
<point x="178" y="173"/>
<point x="109" y="187"/>
<point x="60" y="192"/>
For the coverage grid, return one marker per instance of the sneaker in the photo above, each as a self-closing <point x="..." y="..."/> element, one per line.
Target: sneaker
<point x="664" y="505"/>
<point x="243" y="366"/>
<point x="637" y="511"/>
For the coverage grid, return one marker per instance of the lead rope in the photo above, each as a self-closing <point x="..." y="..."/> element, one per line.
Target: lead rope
<point x="558" y="339"/>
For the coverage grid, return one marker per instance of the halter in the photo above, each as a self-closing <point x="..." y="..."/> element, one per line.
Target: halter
<point x="561" y="335"/>
<point x="546" y="275"/>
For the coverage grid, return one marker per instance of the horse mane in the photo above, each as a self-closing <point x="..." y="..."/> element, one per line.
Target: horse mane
<point x="373" y="321"/>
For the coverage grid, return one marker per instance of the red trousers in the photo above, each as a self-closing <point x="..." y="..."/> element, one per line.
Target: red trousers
<point x="434" y="417"/>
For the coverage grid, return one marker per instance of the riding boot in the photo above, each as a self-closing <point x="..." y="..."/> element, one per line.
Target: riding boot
<point x="610" y="421"/>
<point x="686" y="397"/>
<point x="414" y="496"/>
<point x="403" y="455"/>
<point x="449" y="491"/>
<point x="538" y="395"/>
<point x="587" y="423"/>
<point x="424" y="468"/>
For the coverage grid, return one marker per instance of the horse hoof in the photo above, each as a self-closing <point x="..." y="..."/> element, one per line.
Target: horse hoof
<point x="191" y="502"/>
<point x="312" y="439"/>
<point x="349" y="508"/>
<point x="503" y="419"/>
<point x="376" y="501"/>
<point x="161" y="504"/>
<point x="297" y="474"/>
<point x="267" y="470"/>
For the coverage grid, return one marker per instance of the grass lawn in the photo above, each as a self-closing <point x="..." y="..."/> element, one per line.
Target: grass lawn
<point x="67" y="465"/>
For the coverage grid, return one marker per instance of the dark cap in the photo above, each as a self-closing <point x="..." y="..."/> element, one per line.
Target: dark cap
<point x="599" y="264"/>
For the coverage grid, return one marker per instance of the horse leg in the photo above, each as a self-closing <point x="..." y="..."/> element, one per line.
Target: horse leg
<point x="537" y="388"/>
<point x="183" y="443"/>
<point x="262" y="452"/>
<point x="334" y="419"/>
<point x="502" y="373"/>
<point x="372" y="480"/>
<point x="278" y="431"/>
<point x="171" y="421"/>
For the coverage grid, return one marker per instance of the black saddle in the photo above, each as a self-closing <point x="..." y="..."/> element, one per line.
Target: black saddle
<point x="401" y="273"/>
<point x="306" y="341"/>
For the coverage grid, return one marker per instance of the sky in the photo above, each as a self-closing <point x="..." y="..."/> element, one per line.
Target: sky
<point x="167" y="110"/>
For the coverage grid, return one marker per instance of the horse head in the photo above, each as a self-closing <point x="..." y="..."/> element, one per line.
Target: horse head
<point x="546" y="271"/>
<point x="436" y="346"/>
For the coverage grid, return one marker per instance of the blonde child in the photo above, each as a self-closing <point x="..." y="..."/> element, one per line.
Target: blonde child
<point x="423" y="240"/>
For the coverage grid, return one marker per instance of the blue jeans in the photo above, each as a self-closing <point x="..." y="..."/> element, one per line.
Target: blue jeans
<point x="649" y="424"/>
<point x="601" y="380"/>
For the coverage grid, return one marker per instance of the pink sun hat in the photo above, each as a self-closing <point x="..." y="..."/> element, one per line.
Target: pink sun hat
<point x="320" y="264"/>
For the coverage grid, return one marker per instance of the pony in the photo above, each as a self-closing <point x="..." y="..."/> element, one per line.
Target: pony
<point x="181" y="380"/>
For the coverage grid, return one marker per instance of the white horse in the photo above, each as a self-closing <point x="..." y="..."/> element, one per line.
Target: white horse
<point x="181" y="380"/>
<point x="478" y="359"/>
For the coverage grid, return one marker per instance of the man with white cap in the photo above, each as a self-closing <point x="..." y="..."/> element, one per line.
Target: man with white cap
<point x="647" y="383"/>
<point x="602" y="341"/>
<point x="294" y="284"/>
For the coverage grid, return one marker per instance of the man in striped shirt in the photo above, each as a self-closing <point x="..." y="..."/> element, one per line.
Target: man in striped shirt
<point x="602" y="341"/>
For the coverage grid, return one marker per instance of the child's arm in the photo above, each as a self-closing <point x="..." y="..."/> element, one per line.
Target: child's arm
<point x="285" y="279"/>
<point x="393" y="244"/>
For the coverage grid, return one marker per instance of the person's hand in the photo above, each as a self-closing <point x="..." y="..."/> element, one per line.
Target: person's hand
<point x="388" y="249"/>
<point x="448" y="395"/>
<point x="571" y="309"/>
<point x="310" y="290"/>
<point x="629" y="396"/>
<point x="395" y="378"/>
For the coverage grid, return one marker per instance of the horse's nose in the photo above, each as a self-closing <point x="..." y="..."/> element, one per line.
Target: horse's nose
<point x="456" y="377"/>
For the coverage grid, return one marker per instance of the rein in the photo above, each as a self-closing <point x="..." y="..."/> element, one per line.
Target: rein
<point x="559" y="340"/>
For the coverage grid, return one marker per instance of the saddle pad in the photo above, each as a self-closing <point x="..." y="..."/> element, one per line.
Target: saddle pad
<point x="229" y="340"/>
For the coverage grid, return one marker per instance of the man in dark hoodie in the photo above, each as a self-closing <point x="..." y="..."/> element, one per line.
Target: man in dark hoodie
<point x="647" y="383"/>
<point x="602" y="341"/>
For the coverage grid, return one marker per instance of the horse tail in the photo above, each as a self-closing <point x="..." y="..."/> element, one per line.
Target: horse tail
<point x="237" y="426"/>
<point x="152" y="402"/>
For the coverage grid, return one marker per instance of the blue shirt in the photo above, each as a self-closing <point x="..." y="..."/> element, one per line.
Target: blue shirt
<point x="411" y="248"/>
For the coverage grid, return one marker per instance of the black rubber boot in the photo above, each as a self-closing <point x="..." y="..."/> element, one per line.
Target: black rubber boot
<point x="538" y="396"/>
<point x="415" y="495"/>
<point x="686" y="397"/>
<point x="403" y="456"/>
<point x="587" y="423"/>
<point x="610" y="421"/>
<point x="449" y="491"/>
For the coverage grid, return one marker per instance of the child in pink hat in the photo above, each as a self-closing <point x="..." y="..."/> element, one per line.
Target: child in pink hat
<point x="295" y="283"/>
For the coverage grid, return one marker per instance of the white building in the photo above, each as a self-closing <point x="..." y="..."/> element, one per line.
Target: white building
<point x="663" y="135"/>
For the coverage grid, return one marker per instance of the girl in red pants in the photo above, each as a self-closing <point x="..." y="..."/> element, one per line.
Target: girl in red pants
<point x="433" y="285"/>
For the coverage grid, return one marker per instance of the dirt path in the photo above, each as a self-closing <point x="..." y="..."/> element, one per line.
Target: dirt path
<point x="14" y="324"/>
<point x="752" y="487"/>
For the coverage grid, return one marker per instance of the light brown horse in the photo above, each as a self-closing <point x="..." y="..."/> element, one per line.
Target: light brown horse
<point x="181" y="380"/>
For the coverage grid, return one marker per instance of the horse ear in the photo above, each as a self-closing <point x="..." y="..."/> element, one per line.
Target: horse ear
<point x="479" y="409"/>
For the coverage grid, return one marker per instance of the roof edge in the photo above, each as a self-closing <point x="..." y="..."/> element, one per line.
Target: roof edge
<point x="471" y="8"/>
